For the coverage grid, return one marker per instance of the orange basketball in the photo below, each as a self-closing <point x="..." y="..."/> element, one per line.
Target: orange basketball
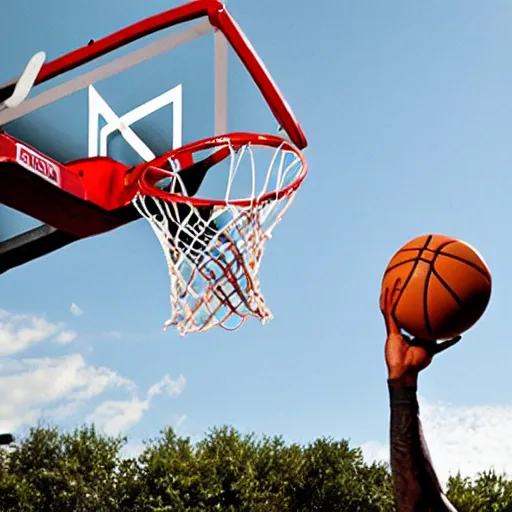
<point x="445" y="286"/>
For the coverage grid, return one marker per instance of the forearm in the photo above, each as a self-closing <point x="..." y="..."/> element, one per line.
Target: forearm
<point x="416" y="484"/>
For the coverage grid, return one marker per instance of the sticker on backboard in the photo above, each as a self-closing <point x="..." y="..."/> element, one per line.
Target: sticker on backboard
<point x="38" y="164"/>
<point x="99" y="108"/>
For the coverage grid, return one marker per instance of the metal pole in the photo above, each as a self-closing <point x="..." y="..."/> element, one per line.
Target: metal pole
<point x="6" y="439"/>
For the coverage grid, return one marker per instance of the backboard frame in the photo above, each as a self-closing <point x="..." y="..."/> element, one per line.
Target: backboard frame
<point x="56" y="191"/>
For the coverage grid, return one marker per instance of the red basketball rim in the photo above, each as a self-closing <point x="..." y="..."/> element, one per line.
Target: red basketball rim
<point x="152" y="172"/>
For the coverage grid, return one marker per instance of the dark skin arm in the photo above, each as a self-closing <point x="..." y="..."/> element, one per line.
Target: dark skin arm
<point x="417" y="488"/>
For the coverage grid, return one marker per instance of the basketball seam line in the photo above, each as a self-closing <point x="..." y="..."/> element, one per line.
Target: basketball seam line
<point x="428" y="323"/>
<point x="449" y="289"/>
<point x="404" y="286"/>
<point x="426" y="249"/>
<point x="454" y="256"/>
<point x="389" y="269"/>
<point x="469" y="263"/>
<point x="417" y="258"/>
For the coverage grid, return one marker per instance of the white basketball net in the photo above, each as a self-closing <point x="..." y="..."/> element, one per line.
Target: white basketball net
<point x="214" y="257"/>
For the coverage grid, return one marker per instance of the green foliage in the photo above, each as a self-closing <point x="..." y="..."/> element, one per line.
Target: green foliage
<point x="50" y="471"/>
<point x="230" y="472"/>
<point x="226" y="471"/>
<point x="335" y="478"/>
<point x="489" y="492"/>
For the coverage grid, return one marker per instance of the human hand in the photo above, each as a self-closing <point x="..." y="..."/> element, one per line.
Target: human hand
<point x="405" y="357"/>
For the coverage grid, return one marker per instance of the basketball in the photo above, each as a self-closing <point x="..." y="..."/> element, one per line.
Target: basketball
<point x="445" y="286"/>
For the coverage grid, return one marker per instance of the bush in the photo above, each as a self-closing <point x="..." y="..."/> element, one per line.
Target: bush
<point x="84" y="471"/>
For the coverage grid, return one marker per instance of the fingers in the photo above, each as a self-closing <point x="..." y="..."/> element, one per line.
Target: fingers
<point x="388" y="299"/>
<point x="427" y="345"/>
<point x="431" y="346"/>
<point x="440" y="347"/>
<point x="383" y="300"/>
<point x="397" y="288"/>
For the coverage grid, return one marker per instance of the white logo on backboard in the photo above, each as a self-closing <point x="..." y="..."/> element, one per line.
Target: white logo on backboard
<point x="98" y="139"/>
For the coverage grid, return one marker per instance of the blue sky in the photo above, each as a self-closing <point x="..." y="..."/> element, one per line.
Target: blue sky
<point x="408" y="112"/>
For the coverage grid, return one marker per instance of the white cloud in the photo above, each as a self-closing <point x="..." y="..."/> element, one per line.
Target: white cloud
<point x="178" y="421"/>
<point x="57" y="387"/>
<point x="470" y="438"/>
<point x="167" y="386"/>
<point x="118" y="416"/>
<point x="132" y="450"/>
<point x="373" y="450"/>
<point x="18" y="332"/>
<point x="35" y="386"/>
<point x="75" y="310"/>
<point x="112" y="334"/>
<point x="62" y="411"/>
<point x="65" y="337"/>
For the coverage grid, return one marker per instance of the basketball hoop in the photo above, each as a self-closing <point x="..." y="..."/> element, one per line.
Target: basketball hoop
<point x="214" y="247"/>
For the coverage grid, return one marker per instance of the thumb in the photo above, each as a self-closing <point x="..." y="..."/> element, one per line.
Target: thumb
<point x="440" y="347"/>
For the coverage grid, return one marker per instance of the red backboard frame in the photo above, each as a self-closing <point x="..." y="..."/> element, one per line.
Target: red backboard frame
<point x="54" y="192"/>
<point x="220" y="18"/>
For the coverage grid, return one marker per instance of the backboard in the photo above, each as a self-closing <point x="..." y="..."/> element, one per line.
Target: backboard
<point x="176" y="77"/>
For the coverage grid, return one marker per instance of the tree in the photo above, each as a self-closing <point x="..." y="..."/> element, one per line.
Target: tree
<point x="225" y="471"/>
<point x="488" y="492"/>
<point x="84" y="471"/>
<point x="50" y="471"/>
<point x="234" y="473"/>
<point x="336" y="478"/>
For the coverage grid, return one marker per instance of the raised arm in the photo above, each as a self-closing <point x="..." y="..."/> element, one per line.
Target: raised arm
<point x="417" y="487"/>
<point x="416" y="484"/>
